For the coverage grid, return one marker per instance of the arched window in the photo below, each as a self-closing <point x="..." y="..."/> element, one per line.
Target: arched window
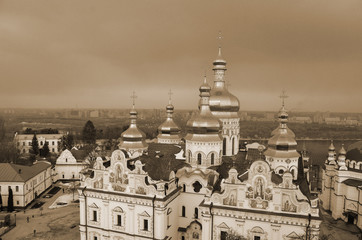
<point x="196" y="213"/>
<point x="281" y="171"/>
<point x="183" y="214"/>
<point x="184" y="187"/>
<point x="199" y="158"/>
<point x="41" y="143"/>
<point x="293" y="172"/>
<point x="212" y="158"/>
<point x="224" y="146"/>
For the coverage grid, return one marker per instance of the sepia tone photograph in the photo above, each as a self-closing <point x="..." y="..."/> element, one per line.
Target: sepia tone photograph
<point x="180" y="120"/>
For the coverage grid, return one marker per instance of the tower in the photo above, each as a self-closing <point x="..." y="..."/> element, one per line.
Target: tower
<point x="282" y="153"/>
<point x="225" y="107"/>
<point x="203" y="138"/>
<point x="133" y="139"/>
<point x="168" y="131"/>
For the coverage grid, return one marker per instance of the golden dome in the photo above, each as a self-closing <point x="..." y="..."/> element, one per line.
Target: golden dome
<point x="282" y="143"/>
<point x="221" y="100"/>
<point x="133" y="137"/>
<point x="204" y="122"/>
<point x="169" y="126"/>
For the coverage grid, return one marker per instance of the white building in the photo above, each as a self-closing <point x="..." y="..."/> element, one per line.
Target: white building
<point x="27" y="182"/>
<point x="67" y="167"/>
<point x="158" y="195"/>
<point x="342" y="184"/>
<point x="23" y="141"/>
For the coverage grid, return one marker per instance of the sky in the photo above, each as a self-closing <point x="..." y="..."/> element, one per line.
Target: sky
<point x="94" y="54"/>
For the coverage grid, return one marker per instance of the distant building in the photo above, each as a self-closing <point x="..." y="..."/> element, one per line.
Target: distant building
<point x="23" y="141"/>
<point x="27" y="182"/>
<point x="332" y="120"/>
<point x="67" y="167"/>
<point x="94" y="114"/>
<point x="302" y="119"/>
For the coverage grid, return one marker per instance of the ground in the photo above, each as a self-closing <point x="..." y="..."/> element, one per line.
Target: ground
<point x="53" y="223"/>
<point x="337" y="229"/>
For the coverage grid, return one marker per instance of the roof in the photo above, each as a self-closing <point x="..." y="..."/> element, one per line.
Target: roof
<point x="54" y="136"/>
<point x="10" y="172"/>
<point x="161" y="160"/>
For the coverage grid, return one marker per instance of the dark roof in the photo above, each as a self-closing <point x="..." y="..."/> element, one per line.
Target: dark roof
<point x="79" y="155"/>
<point x="10" y="172"/>
<point x="302" y="181"/>
<point x="353" y="182"/>
<point x="160" y="160"/>
<point x="354" y="154"/>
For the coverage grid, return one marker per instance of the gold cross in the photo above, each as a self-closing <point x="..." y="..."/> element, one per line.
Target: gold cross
<point x="169" y="96"/>
<point x="220" y="37"/>
<point x="283" y="96"/>
<point x="133" y="96"/>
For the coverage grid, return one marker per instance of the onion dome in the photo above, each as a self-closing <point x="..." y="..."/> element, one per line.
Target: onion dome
<point x="342" y="159"/>
<point x="283" y="119"/>
<point x="331" y="154"/>
<point x="222" y="102"/>
<point x="133" y="138"/>
<point x="282" y="143"/>
<point x="204" y="123"/>
<point x="168" y="130"/>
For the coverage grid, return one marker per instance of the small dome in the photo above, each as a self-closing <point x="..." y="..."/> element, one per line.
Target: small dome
<point x="342" y="151"/>
<point x="133" y="137"/>
<point x="204" y="122"/>
<point x="331" y="147"/>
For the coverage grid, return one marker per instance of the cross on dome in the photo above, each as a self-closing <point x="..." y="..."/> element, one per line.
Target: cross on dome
<point x="283" y="96"/>
<point x="220" y="37"/>
<point x="133" y="96"/>
<point x="169" y="96"/>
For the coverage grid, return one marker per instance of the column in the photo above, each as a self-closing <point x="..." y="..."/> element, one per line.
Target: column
<point x="160" y="224"/>
<point x="131" y="223"/>
<point x="206" y="226"/>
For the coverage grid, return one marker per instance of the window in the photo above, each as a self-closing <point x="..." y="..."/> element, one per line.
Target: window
<point x="23" y="150"/>
<point x="95" y="215"/>
<point x="66" y="159"/>
<point x="95" y="238"/>
<point x="212" y="158"/>
<point x="281" y="171"/>
<point x="223" y="235"/>
<point x="18" y="144"/>
<point x="145" y="224"/>
<point x="224" y="146"/>
<point x="184" y="187"/>
<point x="53" y="143"/>
<point x="196" y="213"/>
<point x="257" y="238"/>
<point x="29" y="143"/>
<point x="119" y="220"/>
<point x="182" y="238"/>
<point x="73" y="175"/>
<point x="199" y="158"/>
<point x="17" y="202"/>
<point x="17" y="188"/>
<point x="41" y="143"/>
<point x="24" y="143"/>
<point x="197" y="186"/>
<point x="183" y="214"/>
<point x="53" y="150"/>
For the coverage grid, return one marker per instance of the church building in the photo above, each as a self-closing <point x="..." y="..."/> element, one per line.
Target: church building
<point x="204" y="188"/>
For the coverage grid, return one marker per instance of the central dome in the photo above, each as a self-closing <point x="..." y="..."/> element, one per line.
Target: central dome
<point x="221" y="100"/>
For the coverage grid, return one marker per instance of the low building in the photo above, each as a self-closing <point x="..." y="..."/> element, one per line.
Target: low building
<point x="68" y="166"/>
<point x="342" y="184"/>
<point x="24" y="142"/>
<point x="27" y="182"/>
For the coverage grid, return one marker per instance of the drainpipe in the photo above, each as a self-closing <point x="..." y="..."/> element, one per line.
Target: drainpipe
<point x="212" y="220"/>
<point x="153" y="217"/>
<point x="307" y="234"/>
<point x="86" y="217"/>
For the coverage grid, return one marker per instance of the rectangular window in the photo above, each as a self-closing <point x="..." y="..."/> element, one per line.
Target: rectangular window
<point x="256" y="238"/>
<point x="53" y="150"/>
<point x="119" y="220"/>
<point x="95" y="238"/>
<point x="94" y="215"/>
<point x="53" y="143"/>
<point x="223" y="235"/>
<point x="145" y="224"/>
<point x="17" y="188"/>
<point x="17" y="202"/>
<point x="23" y="143"/>
<point x="29" y="143"/>
<point x="183" y="211"/>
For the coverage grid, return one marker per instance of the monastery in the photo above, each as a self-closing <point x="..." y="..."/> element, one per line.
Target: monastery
<point x="200" y="186"/>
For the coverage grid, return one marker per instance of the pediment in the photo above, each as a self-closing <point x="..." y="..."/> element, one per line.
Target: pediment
<point x="93" y="205"/>
<point x="293" y="235"/>
<point x="145" y="214"/>
<point x="223" y="225"/>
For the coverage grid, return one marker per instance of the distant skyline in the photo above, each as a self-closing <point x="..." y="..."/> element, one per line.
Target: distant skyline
<point x="94" y="54"/>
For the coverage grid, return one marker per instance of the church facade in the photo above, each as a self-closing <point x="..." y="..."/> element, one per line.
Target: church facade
<point x="211" y="191"/>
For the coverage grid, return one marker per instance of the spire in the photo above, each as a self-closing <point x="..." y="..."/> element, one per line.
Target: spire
<point x="133" y="113"/>
<point x="219" y="63"/>
<point x="169" y="107"/>
<point x="170" y="97"/>
<point x="283" y="96"/>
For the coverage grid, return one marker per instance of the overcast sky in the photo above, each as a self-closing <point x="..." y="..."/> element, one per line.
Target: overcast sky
<point x="95" y="53"/>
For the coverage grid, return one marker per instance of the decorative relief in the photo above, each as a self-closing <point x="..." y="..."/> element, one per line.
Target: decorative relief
<point x="287" y="205"/>
<point x="258" y="195"/>
<point x="231" y="199"/>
